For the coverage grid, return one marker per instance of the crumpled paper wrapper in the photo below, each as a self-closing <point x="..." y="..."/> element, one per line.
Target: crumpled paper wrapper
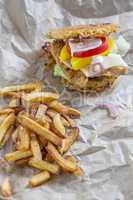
<point x="104" y="149"/>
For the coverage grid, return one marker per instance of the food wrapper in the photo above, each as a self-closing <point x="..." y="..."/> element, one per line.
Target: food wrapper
<point x="105" y="146"/>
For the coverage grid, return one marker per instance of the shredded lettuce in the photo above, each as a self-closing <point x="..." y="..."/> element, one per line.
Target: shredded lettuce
<point x="58" y="71"/>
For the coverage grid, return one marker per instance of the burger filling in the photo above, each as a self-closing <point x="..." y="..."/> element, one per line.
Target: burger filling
<point x="92" y="56"/>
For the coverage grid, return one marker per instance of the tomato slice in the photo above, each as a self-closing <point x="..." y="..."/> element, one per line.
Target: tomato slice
<point x="87" y="47"/>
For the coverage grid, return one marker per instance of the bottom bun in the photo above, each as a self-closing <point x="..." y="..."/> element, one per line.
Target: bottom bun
<point x="93" y="85"/>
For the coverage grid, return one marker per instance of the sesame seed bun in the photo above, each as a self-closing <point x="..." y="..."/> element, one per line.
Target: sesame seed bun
<point x="82" y="30"/>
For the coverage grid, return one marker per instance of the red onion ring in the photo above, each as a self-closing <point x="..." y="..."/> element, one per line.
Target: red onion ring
<point x="95" y="70"/>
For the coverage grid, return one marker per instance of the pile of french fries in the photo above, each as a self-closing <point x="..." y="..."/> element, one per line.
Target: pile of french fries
<point x="42" y="131"/>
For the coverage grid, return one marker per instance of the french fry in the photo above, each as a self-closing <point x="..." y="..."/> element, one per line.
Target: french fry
<point x="71" y="158"/>
<point x="47" y="118"/>
<point x="54" y="130"/>
<point x="78" y="171"/>
<point x="44" y="123"/>
<point x="70" y="121"/>
<point x="6" y="188"/>
<point x="38" y="129"/>
<point x="49" y="158"/>
<point x="7" y="123"/>
<point x="45" y="165"/>
<point x="5" y="139"/>
<point x="59" y="125"/>
<point x="15" y="138"/>
<point x="15" y="102"/>
<point x="6" y="111"/>
<point x="24" y="139"/>
<point x="65" y="122"/>
<point x="17" y="155"/>
<point x="41" y="111"/>
<point x="2" y="118"/>
<point x="17" y="88"/>
<point x="39" y="178"/>
<point x="22" y="161"/>
<point x="73" y="112"/>
<point x="69" y="140"/>
<point x="14" y="94"/>
<point x="18" y="109"/>
<point x="57" y="106"/>
<point x="41" y="116"/>
<point x="35" y="147"/>
<point x="43" y="141"/>
<point x="15" y="135"/>
<point x="51" y="113"/>
<point x="33" y="109"/>
<point x="39" y="97"/>
<point x="65" y="164"/>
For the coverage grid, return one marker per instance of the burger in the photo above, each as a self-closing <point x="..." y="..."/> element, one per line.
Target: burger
<point x="87" y="57"/>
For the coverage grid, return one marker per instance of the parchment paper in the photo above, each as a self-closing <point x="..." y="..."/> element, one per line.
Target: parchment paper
<point x="105" y="146"/>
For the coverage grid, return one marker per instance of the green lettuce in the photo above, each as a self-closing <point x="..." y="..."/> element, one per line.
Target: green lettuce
<point x="58" y="71"/>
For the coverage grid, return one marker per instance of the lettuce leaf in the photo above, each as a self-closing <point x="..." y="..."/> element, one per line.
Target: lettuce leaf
<point x="58" y="71"/>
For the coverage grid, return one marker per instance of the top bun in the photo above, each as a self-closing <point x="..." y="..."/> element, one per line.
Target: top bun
<point x="82" y="30"/>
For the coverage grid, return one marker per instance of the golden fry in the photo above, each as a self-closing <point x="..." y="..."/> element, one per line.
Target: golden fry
<point x="5" y="139"/>
<point x="44" y="123"/>
<point x="22" y="161"/>
<point x="2" y="118"/>
<point x="65" y="122"/>
<point x="41" y="116"/>
<point x="49" y="158"/>
<point x="51" y="113"/>
<point x="38" y="129"/>
<point x="15" y="135"/>
<point x="45" y="165"/>
<point x="59" y="125"/>
<point x="39" y="97"/>
<point x="6" y="111"/>
<point x="35" y="147"/>
<point x="41" y="111"/>
<point x="15" y="102"/>
<point x="67" y="142"/>
<point x="6" y="188"/>
<point x="14" y="94"/>
<point x="43" y="141"/>
<point x="17" y="155"/>
<point x="78" y="171"/>
<point x="24" y="139"/>
<point x="65" y="164"/>
<point x="47" y="118"/>
<point x="70" y="121"/>
<point x="7" y="123"/>
<point x="70" y="157"/>
<point x="39" y="178"/>
<point x="57" y="106"/>
<point x="33" y="109"/>
<point x="73" y="112"/>
<point x="17" y="88"/>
